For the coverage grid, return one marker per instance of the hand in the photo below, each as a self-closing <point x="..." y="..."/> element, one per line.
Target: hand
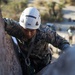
<point x="6" y="21"/>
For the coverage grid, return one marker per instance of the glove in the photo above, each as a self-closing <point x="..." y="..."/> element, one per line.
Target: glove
<point x="5" y="20"/>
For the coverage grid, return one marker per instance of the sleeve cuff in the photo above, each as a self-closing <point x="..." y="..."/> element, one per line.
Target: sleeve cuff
<point x="65" y="47"/>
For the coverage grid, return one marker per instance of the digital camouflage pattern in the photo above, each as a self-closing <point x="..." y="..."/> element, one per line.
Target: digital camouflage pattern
<point x="44" y="36"/>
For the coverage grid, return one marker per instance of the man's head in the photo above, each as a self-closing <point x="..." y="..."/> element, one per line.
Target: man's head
<point x="30" y="21"/>
<point x="30" y="18"/>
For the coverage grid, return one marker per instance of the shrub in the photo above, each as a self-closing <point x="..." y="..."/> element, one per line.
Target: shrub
<point x="48" y="10"/>
<point x="13" y="9"/>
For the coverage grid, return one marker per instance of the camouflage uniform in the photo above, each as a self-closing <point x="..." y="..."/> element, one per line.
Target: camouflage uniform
<point x="43" y="36"/>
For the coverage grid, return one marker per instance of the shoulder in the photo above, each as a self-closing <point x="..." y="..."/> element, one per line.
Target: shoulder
<point x="46" y="29"/>
<point x="44" y="32"/>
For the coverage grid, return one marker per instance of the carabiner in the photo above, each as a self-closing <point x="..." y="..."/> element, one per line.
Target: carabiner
<point x="27" y="61"/>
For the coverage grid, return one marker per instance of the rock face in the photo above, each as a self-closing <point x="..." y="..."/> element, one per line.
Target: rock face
<point x="65" y="65"/>
<point x="9" y="64"/>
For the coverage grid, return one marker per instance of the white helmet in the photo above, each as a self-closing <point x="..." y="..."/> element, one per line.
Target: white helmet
<point x="30" y="18"/>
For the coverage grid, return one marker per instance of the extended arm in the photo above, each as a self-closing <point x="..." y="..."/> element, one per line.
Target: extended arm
<point x="55" y="39"/>
<point x="13" y="28"/>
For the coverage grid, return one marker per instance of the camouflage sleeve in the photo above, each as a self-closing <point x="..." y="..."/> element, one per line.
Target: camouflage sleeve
<point x="55" y="39"/>
<point x="13" y="28"/>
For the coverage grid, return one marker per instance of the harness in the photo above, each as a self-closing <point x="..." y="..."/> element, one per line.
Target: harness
<point x="25" y="60"/>
<point x="22" y="55"/>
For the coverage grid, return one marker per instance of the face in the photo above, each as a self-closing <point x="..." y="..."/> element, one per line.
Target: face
<point x="29" y="33"/>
